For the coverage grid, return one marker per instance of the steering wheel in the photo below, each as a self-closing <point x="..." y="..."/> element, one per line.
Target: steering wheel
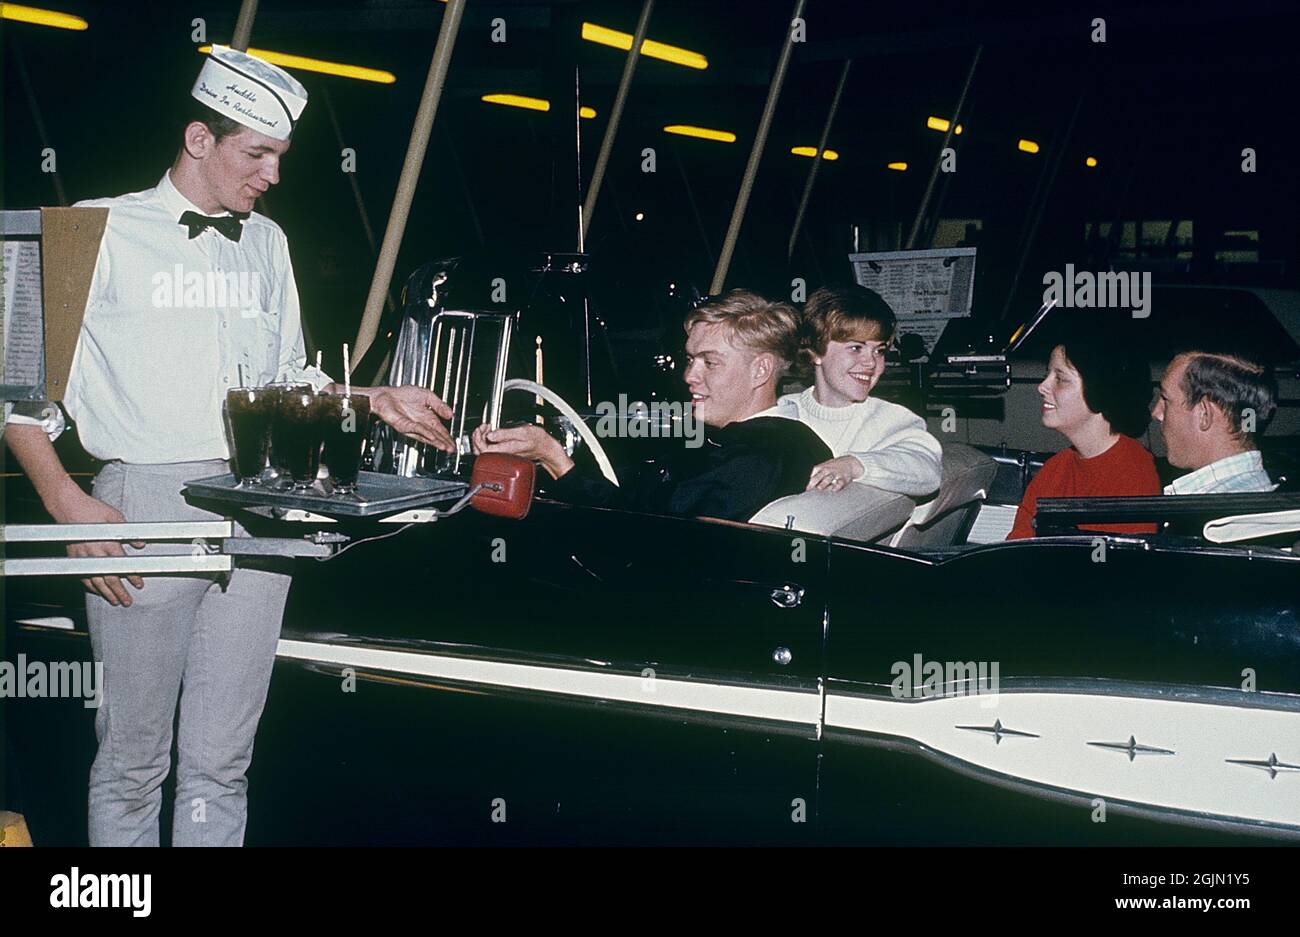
<point x="558" y="402"/>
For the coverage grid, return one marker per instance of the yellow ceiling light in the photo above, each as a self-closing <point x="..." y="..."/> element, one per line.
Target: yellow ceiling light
<point x="25" y="14"/>
<point x="1027" y="146"/>
<point x="532" y="104"/>
<point x="518" y="100"/>
<point x="897" y="167"/>
<point x="703" y="133"/>
<point x="811" y="151"/>
<point x="941" y="124"/>
<point x="301" y="62"/>
<point x="655" y="50"/>
<point x="1091" y="162"/>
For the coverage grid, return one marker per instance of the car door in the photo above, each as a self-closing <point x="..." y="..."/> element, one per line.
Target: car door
<point x="1133" y="691"/>
<point x="605" y="675"/>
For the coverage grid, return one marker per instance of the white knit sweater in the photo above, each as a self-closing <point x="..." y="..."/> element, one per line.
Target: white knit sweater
<point x="891" y="442"/>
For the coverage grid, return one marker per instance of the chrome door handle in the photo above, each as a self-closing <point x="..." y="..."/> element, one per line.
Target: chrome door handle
<point x="787" y="596"/>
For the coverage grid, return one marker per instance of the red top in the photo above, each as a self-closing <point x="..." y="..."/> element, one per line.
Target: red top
<point x="1126" y="468"/>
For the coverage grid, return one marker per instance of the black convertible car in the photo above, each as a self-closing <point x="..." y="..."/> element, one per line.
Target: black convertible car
<point x="846" y="668"/>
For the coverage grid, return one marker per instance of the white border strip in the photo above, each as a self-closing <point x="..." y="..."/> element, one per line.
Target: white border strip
<point x="116" y="565"/>
<point x="139" y="530"/>
<point x="1198" y="778"/>
<point x="62" y="624"/>
<point x="801" y="707"/>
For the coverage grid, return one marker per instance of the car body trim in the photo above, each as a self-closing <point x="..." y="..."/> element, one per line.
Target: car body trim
<point x="1201" y="779"/>
<point x="763" y="703"/>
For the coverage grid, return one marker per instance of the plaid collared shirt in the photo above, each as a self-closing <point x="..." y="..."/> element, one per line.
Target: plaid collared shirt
<point x="1241" y="472"/>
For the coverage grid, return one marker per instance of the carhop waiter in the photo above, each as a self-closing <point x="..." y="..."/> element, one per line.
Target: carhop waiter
<point x="145" y="390"/>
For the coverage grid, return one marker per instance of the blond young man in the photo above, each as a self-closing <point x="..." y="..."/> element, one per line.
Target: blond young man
<point x="737" y="348"/>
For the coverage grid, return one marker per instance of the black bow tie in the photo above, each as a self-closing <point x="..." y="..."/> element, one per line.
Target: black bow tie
<point x="229" y="225"/>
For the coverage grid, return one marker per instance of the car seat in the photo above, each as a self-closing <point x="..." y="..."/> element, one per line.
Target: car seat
<point x="943" y="521"/>
<point x="859" y="512"/>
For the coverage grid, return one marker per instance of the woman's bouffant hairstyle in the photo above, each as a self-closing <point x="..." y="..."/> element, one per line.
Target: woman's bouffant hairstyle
<point x="842" y="314"/>
<point x="1116" y="378"/>
<point x="756" y="322"/>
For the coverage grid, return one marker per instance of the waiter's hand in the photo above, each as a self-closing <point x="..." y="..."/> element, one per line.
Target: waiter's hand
<point x="412" y="411"/>
<point x="74" y="506"/>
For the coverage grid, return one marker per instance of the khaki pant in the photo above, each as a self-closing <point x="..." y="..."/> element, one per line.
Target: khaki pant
<point x="196" y="639"/>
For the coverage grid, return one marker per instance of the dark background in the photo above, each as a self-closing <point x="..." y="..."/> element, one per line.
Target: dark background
<point x="1168" y="103"/>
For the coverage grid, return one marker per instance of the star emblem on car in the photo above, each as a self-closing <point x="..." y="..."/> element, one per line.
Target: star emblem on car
<point x="997" y="730"/>
<point x="1133" y="749"/>
<point x="1271" y="764"/>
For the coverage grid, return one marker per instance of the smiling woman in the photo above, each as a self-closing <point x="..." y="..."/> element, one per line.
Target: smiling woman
<point x="1095" y="394"/>
<point x="846" y="333"/>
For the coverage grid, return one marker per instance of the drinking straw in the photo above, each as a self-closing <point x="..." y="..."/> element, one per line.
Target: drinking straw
<point x="347" y="372"/>
<point x="241" y="375"/>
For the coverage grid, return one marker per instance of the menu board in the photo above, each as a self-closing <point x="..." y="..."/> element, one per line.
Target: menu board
<point x="924" y="288"/>
<point x="22" y="366"/>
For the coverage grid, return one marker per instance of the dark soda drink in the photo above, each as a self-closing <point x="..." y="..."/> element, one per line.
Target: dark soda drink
<point x="276" y="394"/>
<point x="298" y="432"/>
<point x="248" y="413"/>
<point x="345" y="424"/>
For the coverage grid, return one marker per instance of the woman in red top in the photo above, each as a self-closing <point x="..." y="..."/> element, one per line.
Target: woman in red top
<point x="1097" y="397"/>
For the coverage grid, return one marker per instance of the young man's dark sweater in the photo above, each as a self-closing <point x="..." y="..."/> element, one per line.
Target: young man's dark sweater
<point x="739" y="468"/>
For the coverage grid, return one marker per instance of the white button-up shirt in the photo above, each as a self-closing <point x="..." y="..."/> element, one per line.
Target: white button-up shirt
<point x="172" y="323"/>
<point x="1235" y="473"/>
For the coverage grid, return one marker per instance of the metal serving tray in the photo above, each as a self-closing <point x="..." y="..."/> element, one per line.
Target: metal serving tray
<point x="382" y="494"/>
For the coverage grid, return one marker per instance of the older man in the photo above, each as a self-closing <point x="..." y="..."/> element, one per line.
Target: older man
<point x="1210" y="408"/>
<point x="737" y="348"/>
<point x="154" y="360"/>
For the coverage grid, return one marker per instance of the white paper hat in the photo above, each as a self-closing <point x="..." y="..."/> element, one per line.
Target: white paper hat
<point x="254" y="92"/>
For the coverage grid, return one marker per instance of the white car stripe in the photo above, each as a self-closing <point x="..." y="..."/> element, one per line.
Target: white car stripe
<point x="1180" y="758"/>
<point x="795" y="706"/>
<point x="1058" y="747"/>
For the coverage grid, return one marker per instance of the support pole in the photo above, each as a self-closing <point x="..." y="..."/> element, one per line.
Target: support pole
<point x="615" y="116"/>
<point x="244" y="25"/>
<point x="577" y="154"/>
<point x="582" y="234"/>
<point x="817" y="159"/>
<point x="464" y="188"/>
<point x="30" y="93"/>
<point x="356" y="188"/>
<point x="1036" y="216"/>
<point x="938" y="161"/>
<point x="242" y="36"/>
<point x="690" y="200"/>
<point x="406" y="183"/>
<point x="755" y="154"/>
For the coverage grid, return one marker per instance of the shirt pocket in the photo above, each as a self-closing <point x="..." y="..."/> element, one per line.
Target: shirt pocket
<point x="259" y="341"/>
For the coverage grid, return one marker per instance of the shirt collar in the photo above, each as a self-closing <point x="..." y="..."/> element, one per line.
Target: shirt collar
<point x="174" y="201"/>
<point x="1243" y="463"/>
